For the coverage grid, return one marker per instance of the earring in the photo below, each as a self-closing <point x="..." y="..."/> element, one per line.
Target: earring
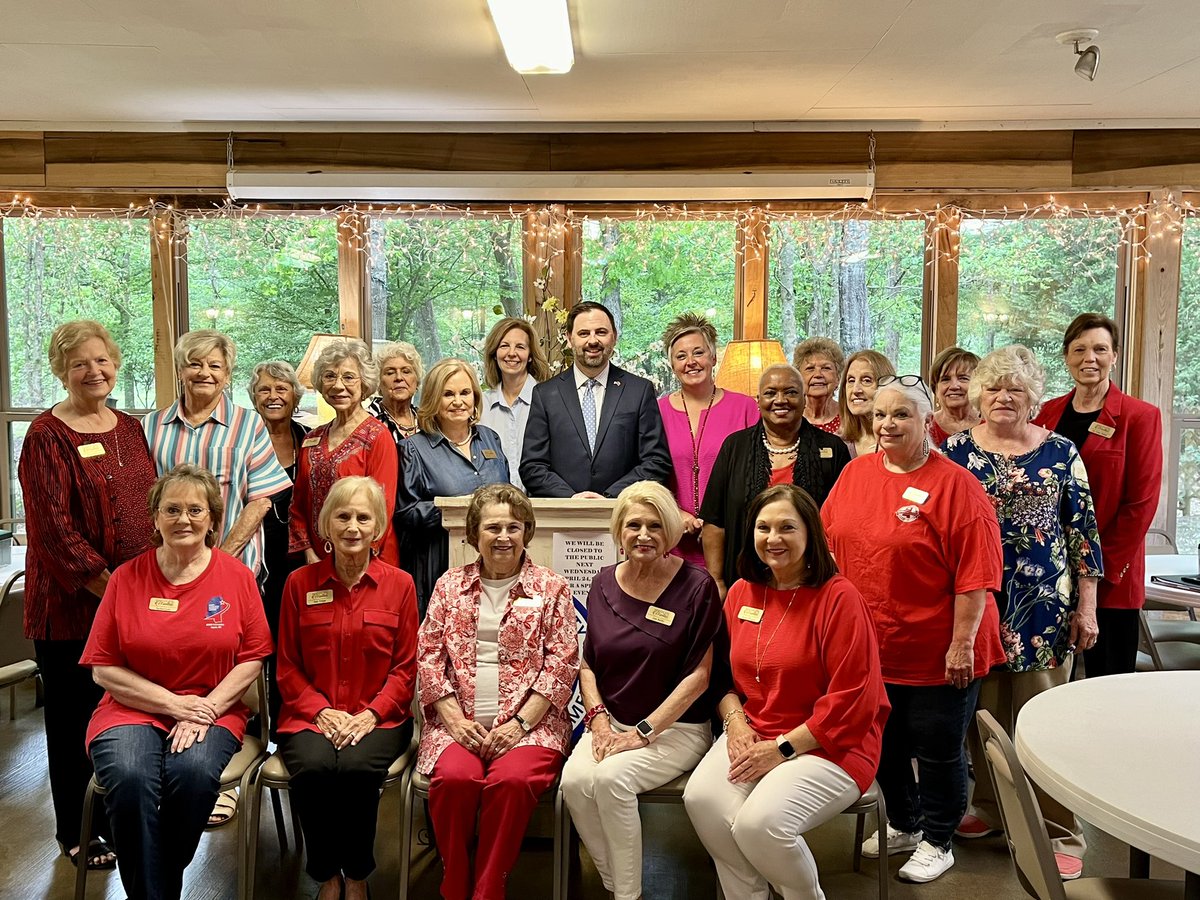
<point x="925" y="446"/>
<point x="328" y="548"/>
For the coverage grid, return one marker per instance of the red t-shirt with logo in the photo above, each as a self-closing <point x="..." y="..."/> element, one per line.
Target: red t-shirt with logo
<point x="183" y="637"/>
<point x="910" y="542"/>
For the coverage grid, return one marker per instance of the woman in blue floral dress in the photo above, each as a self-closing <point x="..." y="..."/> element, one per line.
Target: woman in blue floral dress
<point x="1039" y="487"/>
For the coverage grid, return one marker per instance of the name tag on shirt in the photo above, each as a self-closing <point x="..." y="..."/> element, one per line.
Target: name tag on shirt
<point x="87" y="451"/>
<point x="1105" y="431"/>
<point x="750" y="614"/>
<point x="317" y="598"/>
<point x="826" y="453"/>
<point x="528" y="603"/>
<point x="660" y="615"/>
<point x="489" y="454"/>
<point x="915" y="495"/>
<point x="164" y="604"/>
<point x="311" y="442"/>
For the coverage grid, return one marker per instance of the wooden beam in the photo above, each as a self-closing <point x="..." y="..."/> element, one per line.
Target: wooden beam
<point x="354" y="307"/>
<point x="550" y="270"/>
<point x="939" y="291"/>
<point x="168" y="292"/>
<point x="750" y="276"/>
<point x="22" y="161"/>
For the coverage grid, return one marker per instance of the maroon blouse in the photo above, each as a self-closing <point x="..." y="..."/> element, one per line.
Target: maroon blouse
<point x="85" y="511"/>
<point x="638" y="662"/>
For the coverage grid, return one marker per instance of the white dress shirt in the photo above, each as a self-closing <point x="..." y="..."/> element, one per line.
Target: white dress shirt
<point x="509" y="422"/>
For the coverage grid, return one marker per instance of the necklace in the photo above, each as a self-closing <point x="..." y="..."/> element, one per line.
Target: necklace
<point x="697" y="436"/>
<point x="117" y="445"/>
<point x="780" y="451"/>
<point x="758" y="658"/>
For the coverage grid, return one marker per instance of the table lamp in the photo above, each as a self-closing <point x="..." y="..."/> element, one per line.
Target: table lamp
<point x="744" y="362"/>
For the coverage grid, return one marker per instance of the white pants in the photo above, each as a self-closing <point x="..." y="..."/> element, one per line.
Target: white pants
<point x="603" y="798"/>
<point x="753" y="830"/>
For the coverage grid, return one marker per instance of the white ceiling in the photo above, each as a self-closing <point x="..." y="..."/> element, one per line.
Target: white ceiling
<point x="379" y="63"/>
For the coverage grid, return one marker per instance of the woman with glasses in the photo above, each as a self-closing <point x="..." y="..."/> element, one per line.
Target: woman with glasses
<point x="354" y="443"/>
<point x="917" y="536"/>
<point x="1040" y="495"/>
<point x="178" y="639"/>
<point x="453" y="456"/>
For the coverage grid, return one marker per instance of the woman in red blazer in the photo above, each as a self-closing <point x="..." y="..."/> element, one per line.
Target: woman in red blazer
<point x="1120" y="440"/>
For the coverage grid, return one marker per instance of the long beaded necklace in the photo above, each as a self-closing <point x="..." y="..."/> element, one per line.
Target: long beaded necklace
<point x="758" y="658"/>
<point x="697" y="436"/>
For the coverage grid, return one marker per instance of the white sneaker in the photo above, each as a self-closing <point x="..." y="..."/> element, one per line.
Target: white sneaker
<point x="926" y="863"/>
<point x="897" y="842"/>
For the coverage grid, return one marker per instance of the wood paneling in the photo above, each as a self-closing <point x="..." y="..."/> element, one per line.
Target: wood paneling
<point x="939" y="293"/>
<point x="21" y="159"/>
<point x="169" y="301"/>
<point x="424" y="152"/>
<point x="1110" y="150"/>
<point x="751" y="259"/>
<point x="354" y="306"/>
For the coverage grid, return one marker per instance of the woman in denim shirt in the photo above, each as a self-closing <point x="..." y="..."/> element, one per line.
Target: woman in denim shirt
<point x="450" y="457"/>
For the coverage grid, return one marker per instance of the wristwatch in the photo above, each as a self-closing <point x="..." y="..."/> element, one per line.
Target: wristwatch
<point x="785" y="747"/>
<point x="525" y="726"/>
<point x="645" y="730"/>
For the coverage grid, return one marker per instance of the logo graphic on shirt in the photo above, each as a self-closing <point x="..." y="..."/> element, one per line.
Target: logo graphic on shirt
<point x="213" y="616"/>
<point x="909" y="513"/>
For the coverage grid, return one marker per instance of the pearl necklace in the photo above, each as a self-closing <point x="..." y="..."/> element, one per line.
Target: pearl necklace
<point x="780" y="451"/>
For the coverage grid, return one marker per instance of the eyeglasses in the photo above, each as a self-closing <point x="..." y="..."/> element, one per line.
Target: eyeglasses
<point x="349" y="379"/>
<point x="178" y="512"/>
<point x="906" y="381"/>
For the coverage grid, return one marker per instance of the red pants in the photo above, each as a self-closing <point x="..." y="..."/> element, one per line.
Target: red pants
<point x="503" y="794"/>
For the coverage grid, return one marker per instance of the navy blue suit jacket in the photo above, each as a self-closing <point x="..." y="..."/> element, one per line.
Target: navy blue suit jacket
<point x="630" y="443"/>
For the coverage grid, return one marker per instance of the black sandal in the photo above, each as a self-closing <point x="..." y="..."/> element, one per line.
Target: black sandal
<point x="97" y="851"/>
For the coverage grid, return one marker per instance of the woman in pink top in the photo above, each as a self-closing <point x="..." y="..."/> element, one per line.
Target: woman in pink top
<point x="697" y="418"/>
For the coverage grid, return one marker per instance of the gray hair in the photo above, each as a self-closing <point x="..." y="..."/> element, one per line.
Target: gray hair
<point x="280" y="371"/>
<point x="339" y="495"/>
<point x="819" y="346"/>
<point x="201" y="342"/>
<point x="916" y="394"/>
<point x="1015" y="364"/>
<point x="405" y="351"/>
<point x="348" y="348"/>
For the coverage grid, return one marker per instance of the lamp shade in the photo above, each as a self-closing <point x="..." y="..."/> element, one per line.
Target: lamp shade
<point x="744" y="362"/>
<point x="316" y="344"/>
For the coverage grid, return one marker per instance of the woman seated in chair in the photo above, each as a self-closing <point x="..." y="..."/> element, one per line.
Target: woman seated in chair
<point x="178" y="638"/>
<point x="498" y="660"/>
<point x="347" y="662"/>
<point x="652" y="620"/>
<point x="804" y="719"/>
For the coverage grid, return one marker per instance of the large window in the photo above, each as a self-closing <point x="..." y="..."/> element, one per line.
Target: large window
<point x="441" y="283"/>
<point x="1186" y="407"/>
<point x="1023" y="281"/>
<point x="857" y="281"/>
<point x="268" y="282"/>
<point x="647" y="272"/>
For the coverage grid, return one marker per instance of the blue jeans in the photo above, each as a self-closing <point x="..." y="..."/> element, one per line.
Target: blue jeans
<point x="928" y="724"/>
<point x="158" y="802"/>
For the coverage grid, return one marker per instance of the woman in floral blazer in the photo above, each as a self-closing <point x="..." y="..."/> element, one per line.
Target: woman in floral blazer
<point x="498" y="656"/>
<point x="1039" y="487"/>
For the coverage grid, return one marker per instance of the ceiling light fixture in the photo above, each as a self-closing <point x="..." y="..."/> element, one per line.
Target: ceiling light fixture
<point x="536" y="35"/>
<point x="1089" y="57"/>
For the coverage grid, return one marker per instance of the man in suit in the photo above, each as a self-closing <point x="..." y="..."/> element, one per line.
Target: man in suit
<point x="595" y="429"/>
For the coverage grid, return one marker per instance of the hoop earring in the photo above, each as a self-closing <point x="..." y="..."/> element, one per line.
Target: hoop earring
<point x="328" y="548"/>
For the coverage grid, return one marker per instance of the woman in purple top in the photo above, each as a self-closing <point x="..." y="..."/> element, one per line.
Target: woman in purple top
<point x="652" y="621"/>
<point x="697" y="418"/>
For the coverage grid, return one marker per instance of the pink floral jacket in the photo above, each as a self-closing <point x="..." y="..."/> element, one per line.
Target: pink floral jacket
<point x="538" y="650"/>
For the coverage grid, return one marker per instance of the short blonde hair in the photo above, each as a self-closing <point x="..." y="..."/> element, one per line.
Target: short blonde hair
<point x="402" y="350"/>
<point x="280" y="371"/>
<point x="536" y="366"/>
<point x="819" y="346"/>
<point x="197" y="477"/>
<point x="1014" y="363"/>
<point x="342" y="349"/>
<point x="201" y="342"/>
<point x="69" y="336"/>
<point x="431" y="397"/>
<point x="339" y="495"/>
<point x="689" y="323"/>
<point x="658" y="498"/>
<point x="501" y="493"/>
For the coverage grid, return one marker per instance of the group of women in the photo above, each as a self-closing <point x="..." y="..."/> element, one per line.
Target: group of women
<point x="966" y="577"/>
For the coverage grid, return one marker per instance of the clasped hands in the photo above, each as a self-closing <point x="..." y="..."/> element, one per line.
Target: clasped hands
<point x="193" y="715"/>
<point x="343" y="729"/>
<point x="487" y="745"/>
<point x="750" y="757"/>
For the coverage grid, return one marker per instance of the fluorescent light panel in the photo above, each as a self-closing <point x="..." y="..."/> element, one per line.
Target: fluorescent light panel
<point x="669" y="187"/>
<point x="536" y="35"/>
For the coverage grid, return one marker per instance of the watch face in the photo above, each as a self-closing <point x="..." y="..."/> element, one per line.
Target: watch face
<point x="645" y="729"/>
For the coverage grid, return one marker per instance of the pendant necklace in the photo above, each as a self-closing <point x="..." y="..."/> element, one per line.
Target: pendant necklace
<point x="758" y="658"/>
<point x="697" y="436"/>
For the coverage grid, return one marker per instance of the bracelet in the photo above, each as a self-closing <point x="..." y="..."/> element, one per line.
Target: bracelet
<point x="729" y="715"/>
<point x="592" y="713"/>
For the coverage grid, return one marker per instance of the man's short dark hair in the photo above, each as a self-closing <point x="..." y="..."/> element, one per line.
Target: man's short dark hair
<point x="588" y="306"/>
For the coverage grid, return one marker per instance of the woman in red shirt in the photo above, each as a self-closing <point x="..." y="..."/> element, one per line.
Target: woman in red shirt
<point x="805" y="717"/>
<point x="922" y="544"/>
<point x="347" y="667"/>
<point x="178" y="638"/>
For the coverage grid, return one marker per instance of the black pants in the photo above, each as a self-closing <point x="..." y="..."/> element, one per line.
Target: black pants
<point x="336" y="794"/>
<point x="1115" y="652"/>
<point x="70" y="698"/>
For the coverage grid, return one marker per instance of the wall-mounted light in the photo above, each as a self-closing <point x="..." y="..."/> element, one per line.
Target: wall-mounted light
<point x="536" y="35"/>
<point x="1089" y="57"/>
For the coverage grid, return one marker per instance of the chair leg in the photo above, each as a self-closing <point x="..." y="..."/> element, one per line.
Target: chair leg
<point x="254" y="810"/>
<point x="12" y="703"/>
<point x="881" y="824"/>
<point x="297" y="831"/>
<point x="85" y="838"/>
<point x="859" y="829"/>
<point x="562" y="846"/>
<point x="406" y="833"/>
<point x="277" y="810"/>
<point x="244" y="885"/>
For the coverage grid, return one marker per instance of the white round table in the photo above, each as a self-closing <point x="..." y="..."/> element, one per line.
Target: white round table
<point x="1121" y="752"/>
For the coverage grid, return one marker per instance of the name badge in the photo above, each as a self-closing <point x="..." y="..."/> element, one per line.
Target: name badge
<point x="489" y="454"/>
<point x="826" y="453"/>
<point x="311" y="442"/>
<point x="915" y="495"/>
<point x="750" y="614"/>
<point x="528" y="603"/>
<point x="317" y="598"/>
<point x="660" y="615"/>
<point x="87" y="451"/>
<point x="164" y="604"/>
<point x="1105" y="431"/>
